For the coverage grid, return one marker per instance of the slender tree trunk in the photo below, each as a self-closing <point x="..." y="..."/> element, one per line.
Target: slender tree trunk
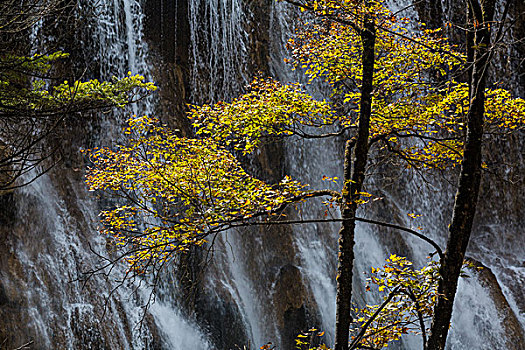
<point x="470" y="176"/>
<point x="351" y="190"/>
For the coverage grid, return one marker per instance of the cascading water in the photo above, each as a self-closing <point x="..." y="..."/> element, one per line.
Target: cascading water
<point x="50" y="240"/>
<point x="219" y="50"/>
<point x="262" y="285"/>
<point x="477" y="321"/>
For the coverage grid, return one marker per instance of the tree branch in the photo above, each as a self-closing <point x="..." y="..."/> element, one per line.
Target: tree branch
<point x="354" y="344"/>
<point x="368" y="221"/>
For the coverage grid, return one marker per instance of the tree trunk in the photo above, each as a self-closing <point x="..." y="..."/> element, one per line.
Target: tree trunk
<point x="430" y="12"/>
<point x="470" y="176"/>
<point x="351" y="190"/>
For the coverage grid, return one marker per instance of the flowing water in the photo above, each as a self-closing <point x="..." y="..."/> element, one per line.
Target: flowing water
<point x="219" y="50"/>
<point x="259" y="281"/>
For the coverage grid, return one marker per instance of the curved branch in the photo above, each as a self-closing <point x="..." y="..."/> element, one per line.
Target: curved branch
<point x="405" y="229"/>
<point x="368" y="221"/>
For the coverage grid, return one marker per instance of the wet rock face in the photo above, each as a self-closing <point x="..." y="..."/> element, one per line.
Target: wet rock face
<point x="7" y="210"/>
<point x="43" y="253"/>
<point x="161" y="24"/>
<point x="515" y="334"/>
<point x="3" y="295"/>
<point x="221" y="319"/>
<point x="518" y="14"/>
<point x="266" y="254"/>
<point x="269" y="279"/>
<point x="258" y="34"/>
<point x="167" y="31"/>
<point x="17" y="325"/>
<point x="13" y="327"/>
<point x="213" y="309"/>
<point x="291" y="305"/>
<point x="87" y="334"/>
<point x="290" y="294"/>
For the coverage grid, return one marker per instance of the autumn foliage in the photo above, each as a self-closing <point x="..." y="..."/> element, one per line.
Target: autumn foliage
<point x="34" y="103"/>
<point x="177" y="192"/>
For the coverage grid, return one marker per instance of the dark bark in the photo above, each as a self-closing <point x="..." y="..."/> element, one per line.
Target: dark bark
<point x="430" y="12"/>
<point x="470" y="176"/>
<point x="518" y="13"/>
<point x="354" y="178"/>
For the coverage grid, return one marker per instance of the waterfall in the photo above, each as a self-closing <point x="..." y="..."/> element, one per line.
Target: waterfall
<point x="262" y="284"/>
<point x="477" y="320"/>
<point x="53" y="234"/>
<point x="120" y="46"/>
<point x="219" y="52"/>
<point x="120" y="24"/>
